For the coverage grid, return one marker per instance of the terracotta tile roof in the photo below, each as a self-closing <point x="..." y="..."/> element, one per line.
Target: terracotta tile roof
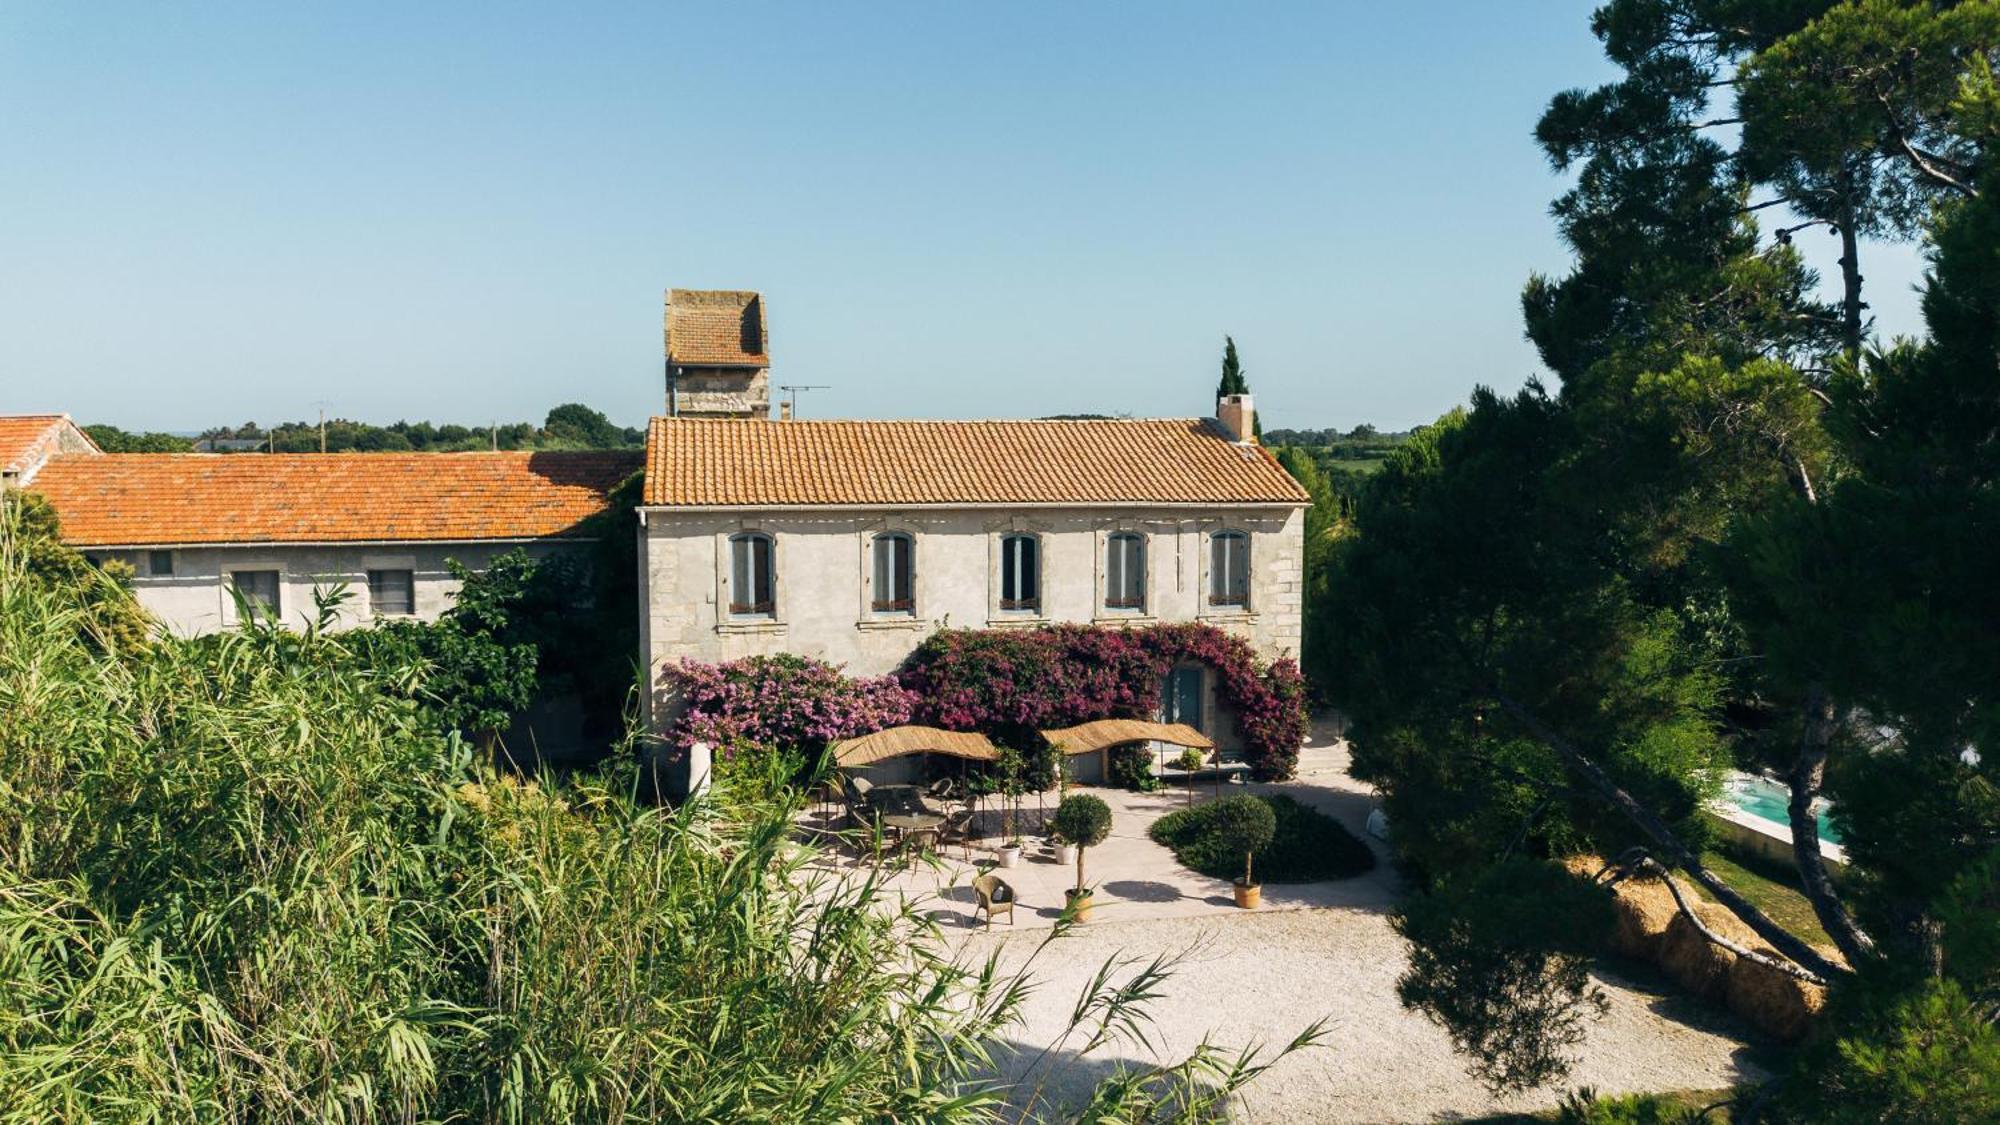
<point x="716" y="328"/>
<point x="26" y="439"/>
<point x="142" y="499"/>
<point x="746" y="463"/>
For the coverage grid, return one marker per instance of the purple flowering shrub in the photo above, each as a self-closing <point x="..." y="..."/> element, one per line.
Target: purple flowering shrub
<point x="780" y="702"/>
<point x="1061" y="675"/>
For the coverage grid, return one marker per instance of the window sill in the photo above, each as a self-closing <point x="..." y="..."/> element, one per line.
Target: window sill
<point x="1016" y="620"/>
<point x="890" y="624"/>
<point x="752" y="628"/>
<point x="1238" y="613"/>
<point x="1117" y="618"/>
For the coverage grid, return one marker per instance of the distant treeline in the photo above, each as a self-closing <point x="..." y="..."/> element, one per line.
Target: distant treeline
<point x="1362" y="443"/>
<point x="569" y="426"/>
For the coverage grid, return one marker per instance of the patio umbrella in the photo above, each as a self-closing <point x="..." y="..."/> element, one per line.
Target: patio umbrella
<point x="1088" y="738"/>
<point x="1103" y="734"/>
<point x="897" y="742"/>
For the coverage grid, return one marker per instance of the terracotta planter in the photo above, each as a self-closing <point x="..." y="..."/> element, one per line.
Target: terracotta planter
<point x="1066" y="854"/>
<point x="1079" y="902"/>
<point x="1248" y="895"/>
<point x="1010" y="855"/>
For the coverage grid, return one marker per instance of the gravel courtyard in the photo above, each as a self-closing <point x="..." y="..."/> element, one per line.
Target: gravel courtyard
<point x="1264" y="976"/>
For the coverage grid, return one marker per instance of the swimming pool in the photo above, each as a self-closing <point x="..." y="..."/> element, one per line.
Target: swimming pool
<point x="1763" y="797"/>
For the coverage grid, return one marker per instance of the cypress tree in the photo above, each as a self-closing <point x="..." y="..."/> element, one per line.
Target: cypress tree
<point x="1232" y="371"/>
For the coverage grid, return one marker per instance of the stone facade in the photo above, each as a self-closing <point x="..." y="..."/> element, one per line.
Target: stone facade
<point x="195" y="597"/>
<point x="823" y="576"/>
<point x="721" y="392"/>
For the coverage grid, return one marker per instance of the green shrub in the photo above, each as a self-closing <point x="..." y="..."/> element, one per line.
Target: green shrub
<point x="1131" y="767"/>
<point x="1306" y="846"/>
<point x="1240" y="826"/>
<point x="1585" y="1108"/>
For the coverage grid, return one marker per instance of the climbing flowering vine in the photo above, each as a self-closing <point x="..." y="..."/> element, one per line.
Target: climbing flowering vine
<point x="1061" y="675"/>
<point x="1006" y="683"/>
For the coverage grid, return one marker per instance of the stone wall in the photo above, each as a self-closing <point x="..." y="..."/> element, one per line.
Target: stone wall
<point x="195" y="598"/>
<point x="823" y="575"/>
<point x="723" y="392"/>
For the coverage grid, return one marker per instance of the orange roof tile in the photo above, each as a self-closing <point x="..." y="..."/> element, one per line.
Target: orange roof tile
<point x="747" y="463"/>
<point x="25" y="439"/>
<point x="716" y="328"/>
<point x="141" y="499"/>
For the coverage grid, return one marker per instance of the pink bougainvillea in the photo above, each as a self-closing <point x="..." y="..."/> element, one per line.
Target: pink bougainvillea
<point x="1007" y="683"/>
<point x="971" y="679"/>
<point x="780" y="701"/>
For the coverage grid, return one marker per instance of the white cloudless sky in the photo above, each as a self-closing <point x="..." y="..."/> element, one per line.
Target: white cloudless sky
<point x="466" y="213"/>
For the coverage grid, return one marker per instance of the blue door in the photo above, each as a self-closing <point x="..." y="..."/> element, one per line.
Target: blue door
<point x="1181" y="695"/>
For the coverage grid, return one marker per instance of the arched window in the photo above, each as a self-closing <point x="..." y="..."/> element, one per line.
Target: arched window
<point x="1021" y="574"/>
<point x="895" y="574"/>
<point x="753" y="577"/>
<point x="1125" y="572"/>
<point x="1229" y="568"/>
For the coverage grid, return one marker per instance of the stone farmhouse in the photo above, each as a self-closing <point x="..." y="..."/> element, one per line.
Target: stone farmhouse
<point x="849" y="541"/>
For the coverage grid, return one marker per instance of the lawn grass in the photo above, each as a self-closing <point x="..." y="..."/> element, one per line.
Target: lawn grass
<point x="1309" y="846"/>
<point x="1771" y="888"/>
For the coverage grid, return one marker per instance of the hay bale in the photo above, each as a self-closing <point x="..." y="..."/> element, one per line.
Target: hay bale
<point x="1775" y="1003"/>
<point x="1645" y="911"/>
<point x="1695" y="963"/>
<point x="1650" y="926"/>
<point x="1701" y="966"/>
<point x="1642" y="910"/>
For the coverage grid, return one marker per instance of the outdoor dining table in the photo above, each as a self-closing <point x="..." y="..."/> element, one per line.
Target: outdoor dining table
<point x="901" y="808"/>
<point x="897" y="803"/>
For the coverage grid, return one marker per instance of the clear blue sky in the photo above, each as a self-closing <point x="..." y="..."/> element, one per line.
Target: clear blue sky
<point x="955" y="210"/>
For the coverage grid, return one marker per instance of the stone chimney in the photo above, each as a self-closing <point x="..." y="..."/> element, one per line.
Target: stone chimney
<point x="1238" y="415"/>
<point x="784" y="410"/>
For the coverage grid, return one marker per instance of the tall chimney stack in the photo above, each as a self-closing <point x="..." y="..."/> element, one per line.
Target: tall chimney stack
<point x="1238" y="415"/>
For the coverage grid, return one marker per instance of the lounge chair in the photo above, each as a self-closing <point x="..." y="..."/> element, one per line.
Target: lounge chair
<point x="995" y="897"/>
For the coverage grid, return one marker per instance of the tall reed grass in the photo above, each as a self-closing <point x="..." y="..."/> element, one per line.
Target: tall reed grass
<point x="241" y="879"/>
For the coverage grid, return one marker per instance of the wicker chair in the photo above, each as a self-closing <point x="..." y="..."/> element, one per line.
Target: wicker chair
<point x="995" y="897"/>
<point x="958" y="825"/>
<point x="859" y="810"/>
<point x="916" y="842"/>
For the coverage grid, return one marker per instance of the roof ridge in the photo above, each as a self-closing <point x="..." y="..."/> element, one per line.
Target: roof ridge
<point x="928" y="421"/>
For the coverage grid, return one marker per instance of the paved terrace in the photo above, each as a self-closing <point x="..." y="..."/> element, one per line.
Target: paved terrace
<point x="1135" y="878"/>
<point x="1322" y="950"/>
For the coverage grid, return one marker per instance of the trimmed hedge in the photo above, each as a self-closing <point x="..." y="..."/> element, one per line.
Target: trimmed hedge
<point x="1309" y="846"/>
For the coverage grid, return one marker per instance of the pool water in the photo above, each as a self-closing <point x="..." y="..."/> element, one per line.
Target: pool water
<point x="1760" y="796"/>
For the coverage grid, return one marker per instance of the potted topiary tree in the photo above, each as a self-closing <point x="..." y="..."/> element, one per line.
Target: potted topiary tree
<point x="1243" y="825"/>
<point x="1083" y="821"/>
<point x="1189" y="761"/>
<point x="1010" y="809"/>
